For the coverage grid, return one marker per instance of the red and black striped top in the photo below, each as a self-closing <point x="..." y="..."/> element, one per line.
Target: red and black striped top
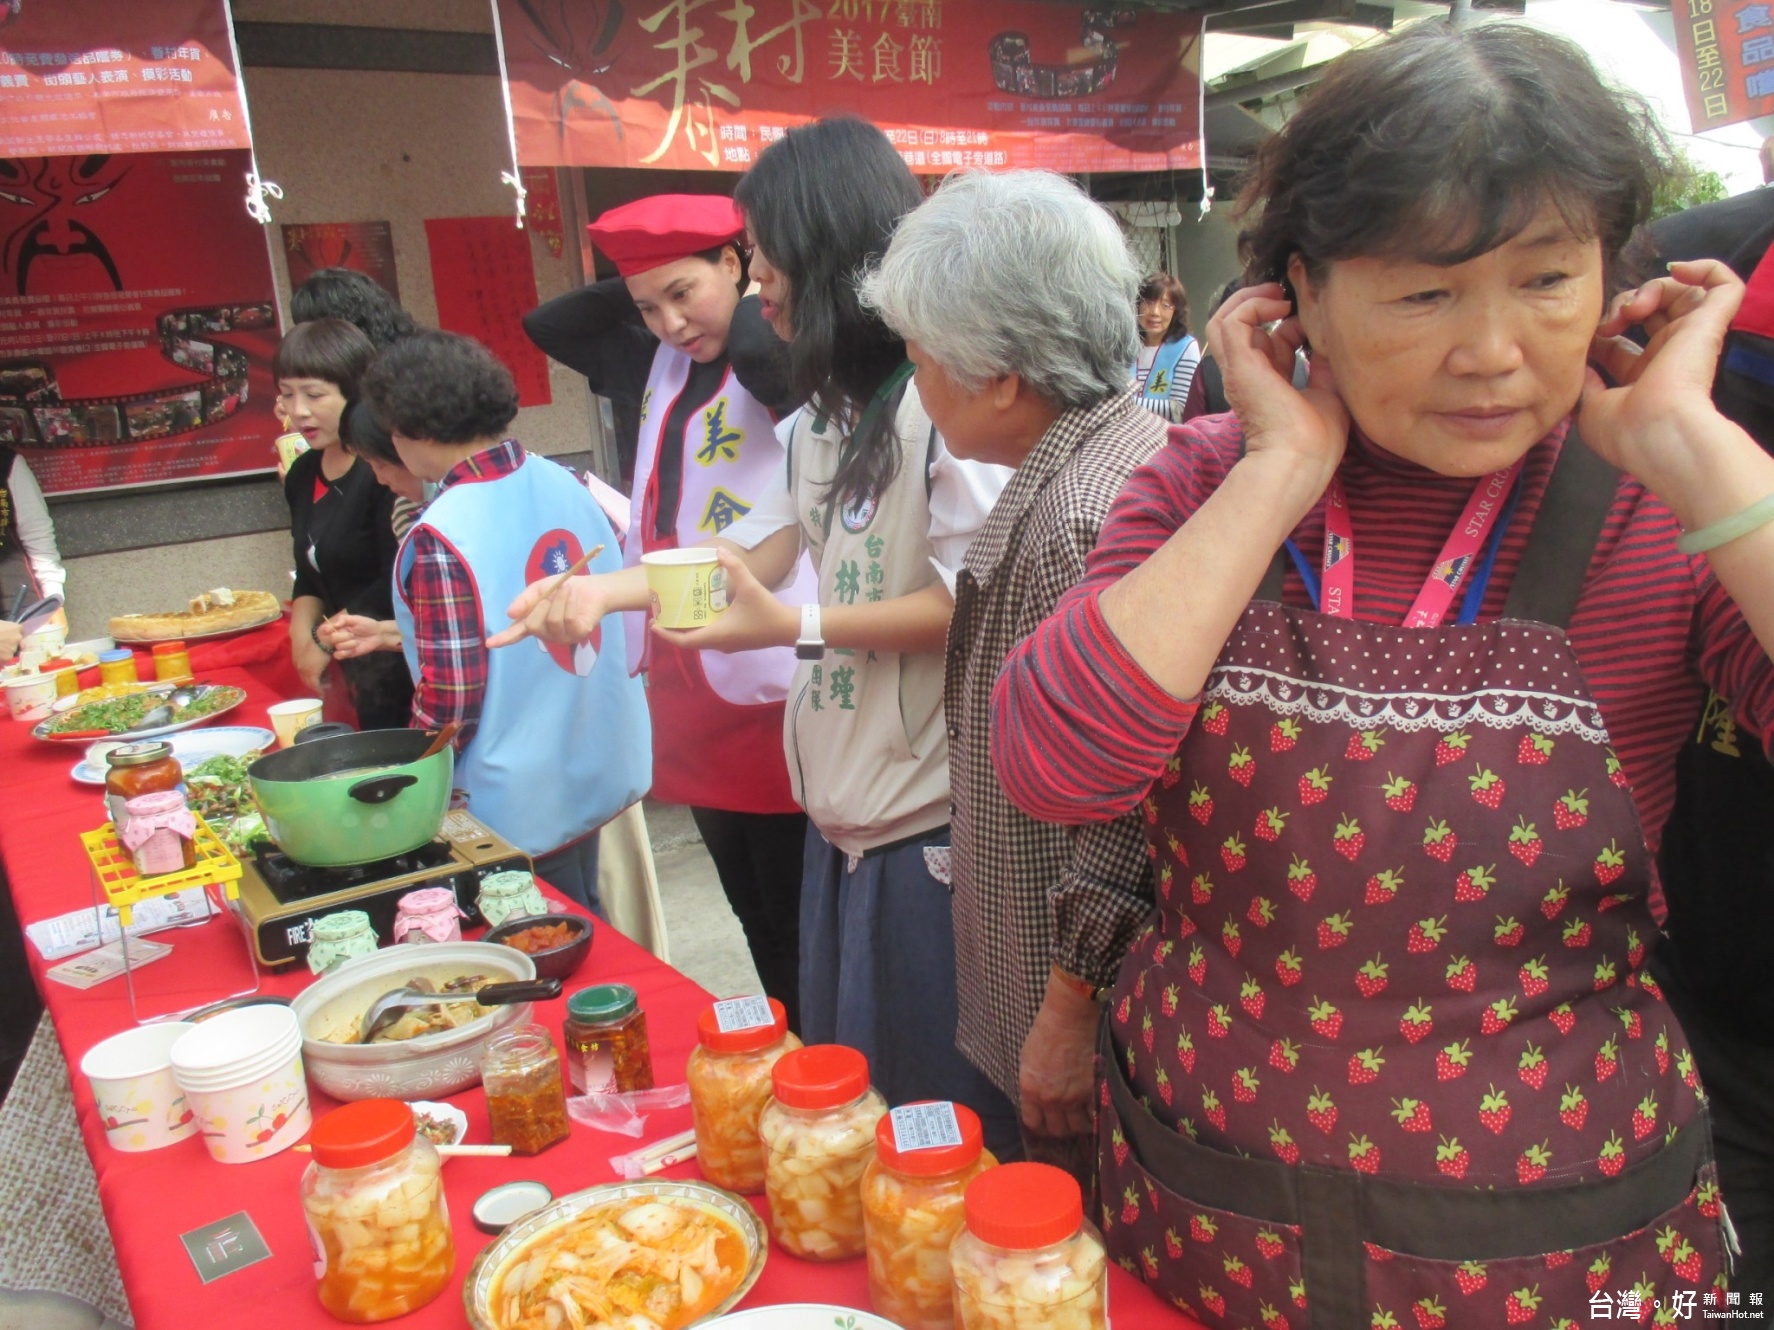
<point x="1080" y="731"/>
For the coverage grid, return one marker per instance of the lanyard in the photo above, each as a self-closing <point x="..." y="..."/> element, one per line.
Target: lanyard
<point x="1486" y="514"/>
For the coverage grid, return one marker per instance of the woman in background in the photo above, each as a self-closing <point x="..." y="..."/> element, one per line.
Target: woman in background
<point x="1168" y="352"/>
<point x="341" y="520"/>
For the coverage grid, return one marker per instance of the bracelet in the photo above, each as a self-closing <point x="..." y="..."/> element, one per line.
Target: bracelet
<point x="314" y="633"/>
<point x="1727" y="529"/>
<point x="1082" y="987"/>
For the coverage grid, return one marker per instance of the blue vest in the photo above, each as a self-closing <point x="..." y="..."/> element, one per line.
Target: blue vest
<point x="563" y="743"/>
<point x="1164" y="369"/>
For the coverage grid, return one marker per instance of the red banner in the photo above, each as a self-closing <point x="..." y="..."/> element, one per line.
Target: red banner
<point x="1727" y="58"/>
<point x="96" y="76"/>
<point x="365" y="247"/>
<point x="485" y="284"/>
<point x="137" y="320"/>
<point x="709" y="84"/>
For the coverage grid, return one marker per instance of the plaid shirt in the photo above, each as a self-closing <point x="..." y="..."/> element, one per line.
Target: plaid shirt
<point x="1026" y="892"/>
<point x="447" y="626"/>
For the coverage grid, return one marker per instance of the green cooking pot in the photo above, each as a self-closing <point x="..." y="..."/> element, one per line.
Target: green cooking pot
<point x="354" y="798"/>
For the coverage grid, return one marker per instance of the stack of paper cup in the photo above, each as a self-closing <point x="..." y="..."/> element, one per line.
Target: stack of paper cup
<point x="241" y="1071"/>
<point x="131" y="1078"/>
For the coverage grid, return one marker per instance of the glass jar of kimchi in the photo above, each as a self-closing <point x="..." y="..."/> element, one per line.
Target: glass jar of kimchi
<point x="1027" y="1259"/>
<point x="739" y="1042"/>
<point x="819" y="1134"/>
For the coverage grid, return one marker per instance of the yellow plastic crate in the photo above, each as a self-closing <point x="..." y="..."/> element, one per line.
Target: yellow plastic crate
<point x="115" y="872"/>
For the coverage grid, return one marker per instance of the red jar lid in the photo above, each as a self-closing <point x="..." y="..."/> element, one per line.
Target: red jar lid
<point x="749" y="1040"/>
<point x="1024" y="1206"/>
<point x="933" y="1161"/>
<point x="820" y="1076"/>
<point x="363" y="1133"/>
<point x="168" y="648"/>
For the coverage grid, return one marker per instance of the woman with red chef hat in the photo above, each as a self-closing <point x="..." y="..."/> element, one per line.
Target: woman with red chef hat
<point x="672" y="337"/>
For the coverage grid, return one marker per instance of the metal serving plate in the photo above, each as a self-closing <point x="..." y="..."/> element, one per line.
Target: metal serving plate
<point x="477" y="1288"/>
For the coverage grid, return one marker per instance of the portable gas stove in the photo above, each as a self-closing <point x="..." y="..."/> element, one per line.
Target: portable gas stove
<point x="280" y="899"/>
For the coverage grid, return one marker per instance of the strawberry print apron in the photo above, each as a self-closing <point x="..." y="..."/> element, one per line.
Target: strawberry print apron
<point x="1386" y="1055"/>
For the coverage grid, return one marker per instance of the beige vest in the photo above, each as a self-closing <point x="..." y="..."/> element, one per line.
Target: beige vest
<point x="867" y="753"/>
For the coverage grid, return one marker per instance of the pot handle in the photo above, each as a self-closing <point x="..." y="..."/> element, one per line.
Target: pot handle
<point x="380" y="789"/>
<point x="519" y="990"/>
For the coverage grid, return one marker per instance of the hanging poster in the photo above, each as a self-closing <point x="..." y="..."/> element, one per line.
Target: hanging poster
<point x="365" y="247"/>
<point x="137" y="320"/>
<point x="709" y="84"/>
<point x="485" y="284"/>
<point x="1727" y="58"/>
<point x="92" y="76"/>
<point x="542" y="206"/>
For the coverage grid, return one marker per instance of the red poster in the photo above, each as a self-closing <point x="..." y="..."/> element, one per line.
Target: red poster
<point x="365" y="247"/>
<point x="485" y="284"/>
<point x="1727" y="57"/>
<point x="91" y="76"/>
<point x="137" y="320"/>
<point x="542" y="206"/>
<point x="708" y="84"/>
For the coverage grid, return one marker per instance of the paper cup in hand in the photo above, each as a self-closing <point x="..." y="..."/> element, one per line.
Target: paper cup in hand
<point x="689" y="586"/>
<point x="140" y="1104"/>
<point x="290" y="718"/>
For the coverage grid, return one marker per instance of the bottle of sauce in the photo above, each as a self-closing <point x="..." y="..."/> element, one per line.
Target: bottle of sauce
<point x="118" y="666"/>
<point x="739" y="1042"/>
<point x="1027" y="1259"/>
<point x="819" y="1135"/>
<point x="606" y="1034"/>
<point x="913" y="1206"/>
<point x="140" y="768"/>
<point x="526" y="1102"/>
<point x="376" y="1212"/>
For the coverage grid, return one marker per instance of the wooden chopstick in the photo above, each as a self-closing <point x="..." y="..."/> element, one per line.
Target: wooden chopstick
<point x="579" y="566"/>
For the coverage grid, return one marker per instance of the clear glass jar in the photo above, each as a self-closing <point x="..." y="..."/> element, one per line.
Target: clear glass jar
<point x="819" y="1134"/>
<point x="1026" y="1259"/>
<point x="606" y="1038"/>
<point x="376" y="1212"/>
<point x="526" y="1102"/>
<point x="141" y="768"/>
<point x="912" y="1208"/>
<point x="729" y="1079"/>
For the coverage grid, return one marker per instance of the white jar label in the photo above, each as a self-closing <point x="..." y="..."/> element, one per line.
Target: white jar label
<point x="594" y="1072"/>
<point x="743" y="1013"/>
<point x="925" y="1127"/>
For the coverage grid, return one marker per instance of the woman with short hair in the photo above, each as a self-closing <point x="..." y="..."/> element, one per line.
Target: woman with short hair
<point x="553" y="743"/>
<point x="1396" y="668"/>
<point x="340" y="520"/>
<point x="1169" y="353"/>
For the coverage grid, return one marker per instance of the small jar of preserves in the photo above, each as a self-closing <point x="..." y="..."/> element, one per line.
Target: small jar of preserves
<point x="729" y="1079"/>
<point x="160" y="833"/>
<point x="376" y="1212"/>
<point x="526" y="1102"/>
<point x="913" y="1206"/>
<point x="429" y="914"/>
<point x="1027" y="1259"/>
<point x="606" y="1034"/>
<point x="132" y="769"/>
<point x="118" y="666"/>
<point x="508" y="894"/>
<point x="172" y="662"/>
<point x="338" y="937"/>
<point x="819" y="1135"/>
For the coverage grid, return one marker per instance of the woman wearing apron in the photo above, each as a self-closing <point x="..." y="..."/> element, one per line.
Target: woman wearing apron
<point x="872" y="498"/>
<point x="1386" y="1052"/>
<point x="662" y="336"/>
<point x="1169" y="353"/>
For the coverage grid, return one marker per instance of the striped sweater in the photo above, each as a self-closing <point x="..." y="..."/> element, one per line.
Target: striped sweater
<point x="1081" y="731"/>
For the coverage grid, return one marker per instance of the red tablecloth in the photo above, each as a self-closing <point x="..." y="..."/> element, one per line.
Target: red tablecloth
<point x="149" y="1199"/>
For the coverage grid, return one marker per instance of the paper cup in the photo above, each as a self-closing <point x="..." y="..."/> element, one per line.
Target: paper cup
<point x="290" y="718"/>
<point x="242" y="1073"/>
<point x="30" y="696"/>
<point x="131" y="1076"/>
<point x="49" y="639"/>
<point x="689" y="586"/>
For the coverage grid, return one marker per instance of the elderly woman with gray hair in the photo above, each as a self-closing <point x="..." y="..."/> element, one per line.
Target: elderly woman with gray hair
<point x="1031" y="375"/>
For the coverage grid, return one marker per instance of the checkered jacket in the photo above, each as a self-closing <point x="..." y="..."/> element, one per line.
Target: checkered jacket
<point x="1019" y="883"/>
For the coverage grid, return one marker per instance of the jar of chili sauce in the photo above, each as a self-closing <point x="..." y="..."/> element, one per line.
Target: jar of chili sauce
<point x="606" y="1034"/>
<point x="142" y="768"/>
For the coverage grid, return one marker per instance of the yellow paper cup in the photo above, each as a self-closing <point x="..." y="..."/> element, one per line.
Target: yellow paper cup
<point x="689" y="586"/>
<point x="290" y="718"/>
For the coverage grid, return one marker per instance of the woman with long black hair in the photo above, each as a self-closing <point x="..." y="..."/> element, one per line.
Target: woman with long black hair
<point x="885" y="514"/>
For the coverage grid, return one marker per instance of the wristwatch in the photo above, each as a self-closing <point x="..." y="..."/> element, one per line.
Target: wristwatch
<point x="810" y="645"/>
